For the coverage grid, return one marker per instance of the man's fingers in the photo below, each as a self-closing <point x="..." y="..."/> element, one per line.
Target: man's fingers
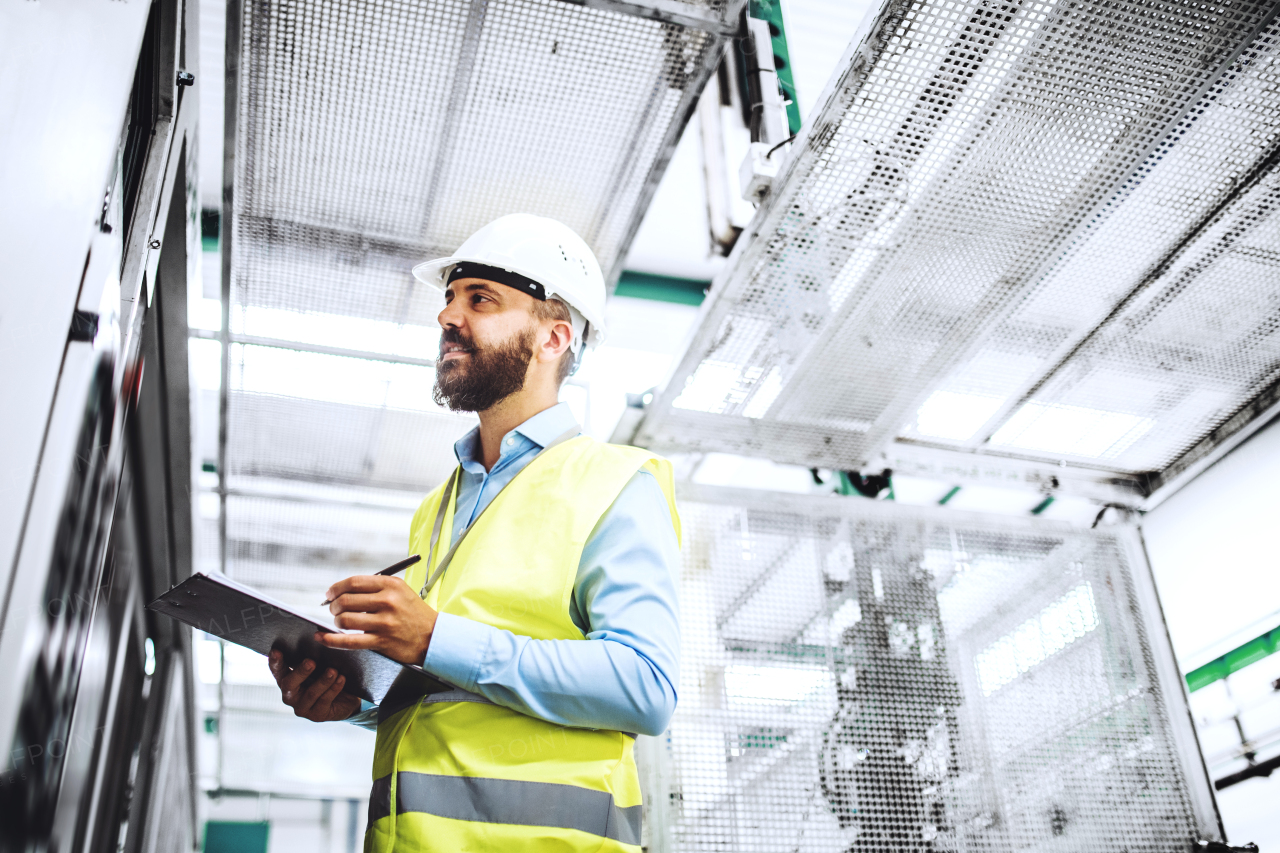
<point x="360" y="621"/>
<point x="361" y="584"/>
<point x="290" y="683"/>
<point x="326" y="700"/>
<point x="364" y="602"/>
<point x="348" y="641"/>
<point x="313" y="692"/>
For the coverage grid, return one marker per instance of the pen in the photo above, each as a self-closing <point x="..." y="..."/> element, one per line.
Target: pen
<point x="389" y="570"/>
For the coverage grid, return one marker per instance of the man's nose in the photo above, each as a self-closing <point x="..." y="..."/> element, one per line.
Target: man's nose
<point x="450" y="316"/>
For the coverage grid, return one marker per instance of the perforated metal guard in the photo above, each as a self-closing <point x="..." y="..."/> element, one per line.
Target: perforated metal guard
<point x="862" y="676"/>
<point x="374" y="135"/>
<point x="1039" y="229"/>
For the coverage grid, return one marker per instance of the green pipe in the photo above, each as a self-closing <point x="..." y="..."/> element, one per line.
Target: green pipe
<point x="949" y="495"/>
<point x="663" y="288"/>
<point x="1234" y="660"/>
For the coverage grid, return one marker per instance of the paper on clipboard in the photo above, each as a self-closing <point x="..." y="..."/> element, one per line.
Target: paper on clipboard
<point x="239" y="614"/>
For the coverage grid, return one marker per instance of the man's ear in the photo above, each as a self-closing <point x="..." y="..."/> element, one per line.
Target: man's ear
<point x="560" y="334"/>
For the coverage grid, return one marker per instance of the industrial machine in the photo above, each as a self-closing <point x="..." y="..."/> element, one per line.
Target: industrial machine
<point x="99" y="235"/>
<point x="862" y="676"/>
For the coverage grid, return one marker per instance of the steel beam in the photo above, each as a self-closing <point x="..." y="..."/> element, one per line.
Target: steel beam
<point x="303" y="346"/>
<point x="1011" y="472"/>
<point x="673" y="12"/>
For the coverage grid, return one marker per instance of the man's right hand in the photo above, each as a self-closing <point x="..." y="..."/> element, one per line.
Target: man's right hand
<point x="322" y="701"/>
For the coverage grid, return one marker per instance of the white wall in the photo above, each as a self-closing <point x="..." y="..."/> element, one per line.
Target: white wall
<point x="1213" y="549"/>
<point x="1213" y="552"/>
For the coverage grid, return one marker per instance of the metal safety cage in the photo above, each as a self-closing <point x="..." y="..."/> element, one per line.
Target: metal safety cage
<point x="857" y="675"/>
<point x="1027" y="230"/>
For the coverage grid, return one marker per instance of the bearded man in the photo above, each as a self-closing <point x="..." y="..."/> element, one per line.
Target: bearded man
<point x="546" y="591"/>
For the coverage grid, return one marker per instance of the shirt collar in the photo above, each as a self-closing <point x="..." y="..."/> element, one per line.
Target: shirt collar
<point x="541" y="429"/>
<point x="548" y="425"/>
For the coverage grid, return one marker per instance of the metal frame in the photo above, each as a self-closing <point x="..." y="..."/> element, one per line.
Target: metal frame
<point x="1011" y="472"/>
<point x="321" y="349"/>
<point x="1173" y="685"/>
<point x="684" y="112"/>
<point x="1148" y="617"/>
<point x="967" y="337"/>
<point x="674" y="12"/>
<point x="1261" y="412"/>
<point x="226" y="231"/>
<point x="231" y="120"/>
<point x="836" y="505"/>
<point x="457" y="95"/>
<point x="974" y="461"/>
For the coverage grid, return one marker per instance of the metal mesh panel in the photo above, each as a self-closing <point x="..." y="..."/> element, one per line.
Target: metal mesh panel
<point x="285" y="266"/>
<point x="861" y="676"/>
<point x="1012" y="225"/>
<point x="384" y="133"/>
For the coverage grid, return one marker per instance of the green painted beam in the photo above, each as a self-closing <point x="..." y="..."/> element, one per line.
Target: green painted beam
<point x="771" y="11"/>
<point x="663" y="288"/>
<point x="1043" y="505"/>
<point x="1234" y="660"/>
<point x="949" y="495"/>
<point x="233" y="836"/>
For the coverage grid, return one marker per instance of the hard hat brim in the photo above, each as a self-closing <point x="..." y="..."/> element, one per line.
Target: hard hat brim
<point x="433" y="273"/>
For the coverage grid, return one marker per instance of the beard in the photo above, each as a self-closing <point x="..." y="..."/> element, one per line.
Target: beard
<point x="487" y="376"/>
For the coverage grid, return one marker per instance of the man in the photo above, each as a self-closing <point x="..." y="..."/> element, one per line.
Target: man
<point x="555" y="616"/>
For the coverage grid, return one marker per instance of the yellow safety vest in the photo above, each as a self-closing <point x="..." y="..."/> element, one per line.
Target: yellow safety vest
<point x="468" y="775"/>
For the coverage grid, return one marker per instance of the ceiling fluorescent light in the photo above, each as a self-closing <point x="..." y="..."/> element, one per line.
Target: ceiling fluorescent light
<point x="332" y="378"/>
<point x="955" y="416"/>
<point x="1071" y="430"/>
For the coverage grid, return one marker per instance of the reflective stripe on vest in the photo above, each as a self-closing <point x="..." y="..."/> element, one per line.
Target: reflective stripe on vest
<point x="507" y="801"/>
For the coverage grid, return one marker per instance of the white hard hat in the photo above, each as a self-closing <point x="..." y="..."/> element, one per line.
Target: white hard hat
<point x="541" y="249"/>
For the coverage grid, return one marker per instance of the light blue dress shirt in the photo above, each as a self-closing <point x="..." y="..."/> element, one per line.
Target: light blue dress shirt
<point x="624" y="599"/>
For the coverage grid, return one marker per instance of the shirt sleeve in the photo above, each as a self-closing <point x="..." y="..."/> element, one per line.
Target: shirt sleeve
<point x="366" y="717"/>
<point x="623" y="677"/>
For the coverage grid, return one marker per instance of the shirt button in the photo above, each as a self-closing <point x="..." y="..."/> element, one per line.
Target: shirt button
<point x="510" y="440"/>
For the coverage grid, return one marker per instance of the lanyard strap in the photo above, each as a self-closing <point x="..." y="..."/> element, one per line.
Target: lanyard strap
<point x="447" y="497"/>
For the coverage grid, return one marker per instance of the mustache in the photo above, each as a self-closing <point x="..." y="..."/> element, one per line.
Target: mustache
<point x="455" y="336"/>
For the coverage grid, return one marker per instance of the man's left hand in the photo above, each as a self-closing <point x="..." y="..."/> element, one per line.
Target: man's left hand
<point x="395" y="621"/>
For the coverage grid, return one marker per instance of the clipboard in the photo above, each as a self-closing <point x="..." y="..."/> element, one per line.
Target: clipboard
<point x="231" y="611"/>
